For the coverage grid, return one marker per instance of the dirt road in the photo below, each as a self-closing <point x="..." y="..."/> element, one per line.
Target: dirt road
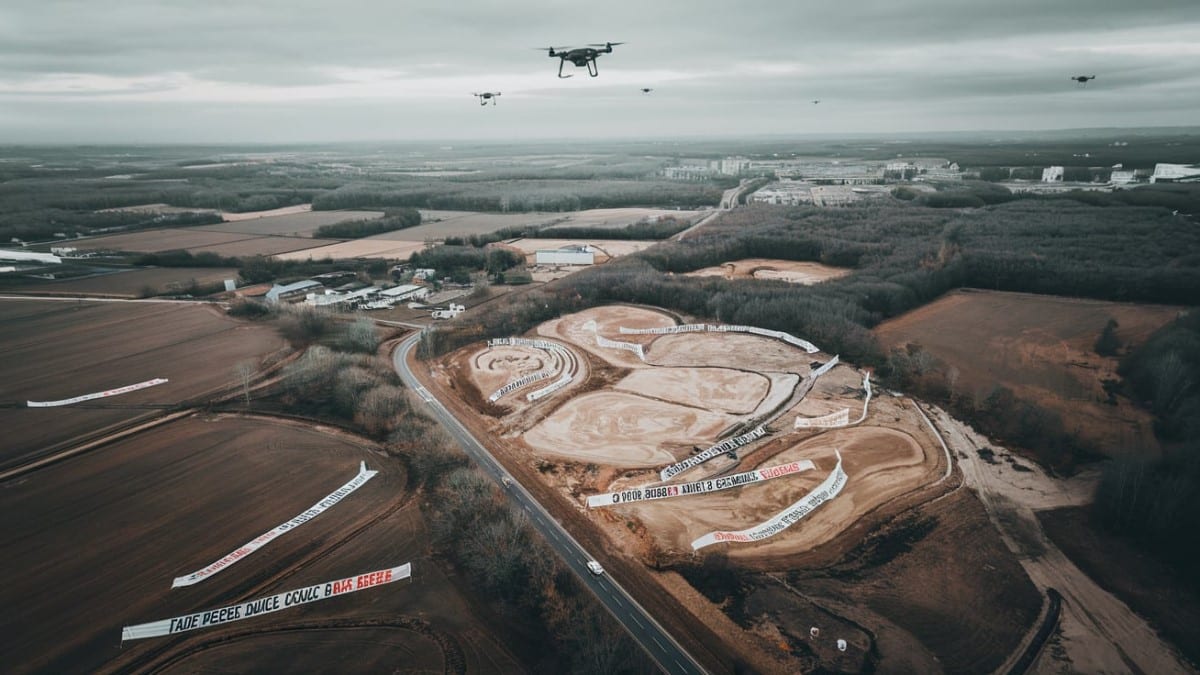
<point x="1099" y="632"/>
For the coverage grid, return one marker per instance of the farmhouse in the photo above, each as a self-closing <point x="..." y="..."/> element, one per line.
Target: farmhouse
<point x="292" y="292"/>
<point x="1176" y="173"/>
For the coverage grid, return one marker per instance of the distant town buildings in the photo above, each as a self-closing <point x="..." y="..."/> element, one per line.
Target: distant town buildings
<point x="1176" y="173"/>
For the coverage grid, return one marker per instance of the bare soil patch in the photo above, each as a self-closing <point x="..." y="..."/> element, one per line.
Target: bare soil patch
<point x="154" y="241"/>
<point x="791" y="271"/>
<point x="1040" y="347"/>
<point x="263" y="246"/>
<point x="57" y="349"/>
<point x="719" y="389"/>
<point x="581" y="329"/>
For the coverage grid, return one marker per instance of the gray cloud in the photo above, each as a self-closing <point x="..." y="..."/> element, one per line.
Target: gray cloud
<point x="353" y="69"/>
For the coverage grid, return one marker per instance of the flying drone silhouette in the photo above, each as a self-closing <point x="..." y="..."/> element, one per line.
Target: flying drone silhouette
<point x="580" y="56"/>
<point x="646" y="90"/>
<point x="1083" y="79"/>
<point x="485" y="95"/>
<point x="816" y="101"/>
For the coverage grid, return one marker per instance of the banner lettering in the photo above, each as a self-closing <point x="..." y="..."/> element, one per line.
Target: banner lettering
<point x="102" y="394"/>
<point x="263" y="539"/>
<point x="828" y="489"/>
<point x="840" y="418"/>
<point x="648" y="492"/>
<point x="718" y="449"/>
<point x="274" y="603"/>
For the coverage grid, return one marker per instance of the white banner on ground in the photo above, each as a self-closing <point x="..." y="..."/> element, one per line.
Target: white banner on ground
<point x="825" y="368"/>
<point x="261" y="540"/>
<point x="697" y="327"/>
<point x="102" y="394"/>
<point x="718" y="449"/>
<point x="551" y="388"/>
<point x="518" y="383"/>
<point x="828" y="489"/>
<point x="867" y="401"/>
<point x="840" y="418"/>
<point x="273" y="603"/>
<point x="627" y="346"/>
<point x="648" y="492"/>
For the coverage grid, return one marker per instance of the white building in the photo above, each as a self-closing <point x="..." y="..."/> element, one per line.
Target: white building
<point x="732" y="166"/>
<point x="568" y="255"/>
<point x="1123" y="177"/>
<point x="687" y="173"/>
<point x="1176" y="173"/>
<point x="1052" y="174"/>
<point x="789" y="193"/>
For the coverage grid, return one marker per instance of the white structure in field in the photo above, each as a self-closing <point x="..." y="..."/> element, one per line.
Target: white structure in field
<point x="28" y="256"/>
<point x="1052" y="174"/>
<point x="1176" y="173"/>
<point x="567" y="255"/>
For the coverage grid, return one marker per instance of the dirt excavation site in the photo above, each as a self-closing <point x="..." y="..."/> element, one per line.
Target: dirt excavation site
<point x="783" y="513"/>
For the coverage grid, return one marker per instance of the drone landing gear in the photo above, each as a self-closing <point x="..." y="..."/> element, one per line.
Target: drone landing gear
<point x="593" y="70"/>
<point x="561" y="62"/>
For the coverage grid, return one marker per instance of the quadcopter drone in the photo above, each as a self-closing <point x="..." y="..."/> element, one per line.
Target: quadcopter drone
<point x="816" y="101"/>
<point x="1083" y="79"/>
<point x="646" y="90"/>
<point x="581" y="56"/>
<point x="484" y="96"/>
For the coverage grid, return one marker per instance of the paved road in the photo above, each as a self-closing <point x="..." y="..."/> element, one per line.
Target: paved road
<point x="661" y="647"/>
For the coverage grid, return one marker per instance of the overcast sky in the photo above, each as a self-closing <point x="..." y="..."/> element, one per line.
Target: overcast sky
<point x="337" y="70"/>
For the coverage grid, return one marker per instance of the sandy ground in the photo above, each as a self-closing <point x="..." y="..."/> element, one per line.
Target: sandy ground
<point x="358" y="248"/>
<point x="578" y="329"/>
<point x="1041" y="347"/>
<point x="717" y="389"/>
<point x="730" y="350"/>
<point x="623" y="429"/>
<point x="806" y="273"/>
<point x="497" y="366"/>
<point x="1099" y="633"/>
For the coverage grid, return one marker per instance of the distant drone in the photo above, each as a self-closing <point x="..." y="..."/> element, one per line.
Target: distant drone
<point x="816" y="101"/>
<point x="581" y="56"/>
<point x="646" y="90"/>
<point x="484" y="96"/>
<point x="1083" y="79"/>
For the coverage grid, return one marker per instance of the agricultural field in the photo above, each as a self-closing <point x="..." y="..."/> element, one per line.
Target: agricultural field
<point x="128" y="283"/>
<point x="791" y="271"/>
<point x="59" y="349"/>
<point x="623" y="418"/>
<point x="298" y="224"/>
<point x="195" y="240"/>
<point x="370" y="247"/>
<point x="93" y="545"/>
<point x="1040" y="347"/>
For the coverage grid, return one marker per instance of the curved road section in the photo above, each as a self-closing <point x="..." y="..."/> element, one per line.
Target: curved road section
<point x="661" y="647"/>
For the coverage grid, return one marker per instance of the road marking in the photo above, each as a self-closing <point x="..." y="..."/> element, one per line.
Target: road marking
<point x="618" y="599"/>
<point x="660" y="645"/>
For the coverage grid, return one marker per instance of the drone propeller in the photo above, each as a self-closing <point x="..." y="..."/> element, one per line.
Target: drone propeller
<point x="605" y="44"/>
<point x="553" y="49"/>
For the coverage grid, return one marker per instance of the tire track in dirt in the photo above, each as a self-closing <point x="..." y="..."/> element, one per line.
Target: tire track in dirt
<point x="1100" y="633"/>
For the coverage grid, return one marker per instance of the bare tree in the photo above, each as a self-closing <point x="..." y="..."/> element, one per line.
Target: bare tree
<point x="245" y="371"/>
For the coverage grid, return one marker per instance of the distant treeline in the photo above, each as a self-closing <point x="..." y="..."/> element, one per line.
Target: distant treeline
<point x="661" y="228"/>
<point x="458" y="262"/>
<point x="392" y="220"/>
<point x="551" y="195"/>
<point x="46" y="224"/>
